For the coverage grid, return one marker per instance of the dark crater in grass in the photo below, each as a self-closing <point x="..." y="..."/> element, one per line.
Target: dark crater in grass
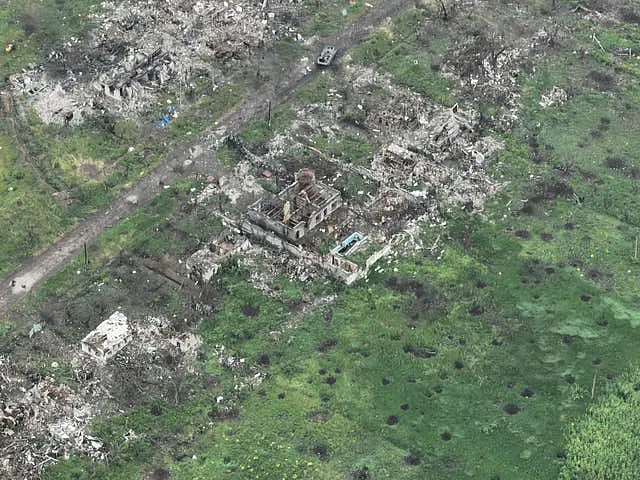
<point x="526" y="393"/>
<point x="156" y="410"/>
<point x="585" y="298"/>
<point x="330" y="380"/>
<point x="438" y="389"/>
<point x="446" y="436"/>
<point x="385" y="381"/>
<point x="262" y="393"/>
<point x="420" y="352"/>
<point x="392" y="420"/>
<point x="550" y="270"/>
<point x="327" y="345"/>
<point x="567" y="339"/>
<point x="602" y="323"/>
<point x="511" y="384"/>
<point x="596" y="361"/>
<point x="476" y="309"/>
<point x="628" y="15"/>
<point x="319" y="416"/>
<point x="450" y="464"/>
<point x="462" y="342"/>
<point x="264" y="359"/>
<point x="404" y="406"/>
<point x="522" y="234"/>
<point x="481" y="284"/>
<point x="325" y="397"/>
<point x="249" y="311"/>
<point x="551" y="188"/>
<point x="159" y="473"/>
<point x="424" y="302"/>
<point x="322" y="371"/>
<point x="570" y="379"/>
<point x="362" y="473"/>
<point x="337" y="370"/>
<point x="616" y="163"/>
<point x="458" y="365"/>
<point x="528" y="209"/>
<point x="546" y="236"/>
<point x="603" y="80"/>
<point x="412" y="460"/>
<point x="562" y="454"/>
<point x="511" y="409"/>
<point x="281" y="395"/>
<point x="322" y="452"/>
<point x="636" y="387"/>
<point x="569" y="226"/>
<point x="611" y="376"/>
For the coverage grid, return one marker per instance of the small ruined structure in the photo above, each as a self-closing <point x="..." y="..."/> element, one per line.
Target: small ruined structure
<point x="326" y="56"/>
<point x="448" y="126"/>
<point x="108" y="338"/>
<point x="297" y="209"/>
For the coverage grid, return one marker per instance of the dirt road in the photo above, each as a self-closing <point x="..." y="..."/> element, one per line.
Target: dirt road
<point x="40" y="267"/>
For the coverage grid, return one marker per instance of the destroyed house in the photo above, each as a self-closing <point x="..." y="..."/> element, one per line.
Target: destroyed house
<point x="297" y="209"/>
<point x="108" y="338"/>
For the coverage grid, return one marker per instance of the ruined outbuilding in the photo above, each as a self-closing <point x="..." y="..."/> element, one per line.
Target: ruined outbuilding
<point x="297" y="209"/>
<point x="108" y="338"/>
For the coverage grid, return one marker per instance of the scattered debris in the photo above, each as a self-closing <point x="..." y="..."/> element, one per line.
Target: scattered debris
<point x="556" y="96"/>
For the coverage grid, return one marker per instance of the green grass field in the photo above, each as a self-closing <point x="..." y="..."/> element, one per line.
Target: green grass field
<point x="493" y="362"/>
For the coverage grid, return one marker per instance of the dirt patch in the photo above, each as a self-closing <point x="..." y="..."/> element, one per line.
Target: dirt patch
<point x="322" y="452"/>
<point x="616" y="163"/>
<point x="362" y="473"/>
<point x="604" y="81"/>
<point x="420" y="352"/>
<point x="326" y="346"/>
<point x="526" y="393"/>
<point x="412" y="460"/>
<point x="511" y="409"/>
<point x="249" y="311"/>
<point x="319" y="416"/>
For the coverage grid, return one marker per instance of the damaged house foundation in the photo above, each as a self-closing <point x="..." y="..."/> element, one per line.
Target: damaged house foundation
<point x="287" y="219"/>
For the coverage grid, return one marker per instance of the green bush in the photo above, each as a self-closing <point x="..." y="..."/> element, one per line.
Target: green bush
<point x="604" y="444"/>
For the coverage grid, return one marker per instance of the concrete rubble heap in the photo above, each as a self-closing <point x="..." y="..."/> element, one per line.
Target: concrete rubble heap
<point x="138" y="48"/>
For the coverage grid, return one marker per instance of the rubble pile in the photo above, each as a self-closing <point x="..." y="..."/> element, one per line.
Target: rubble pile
<point x="138" y="48"/>
<point x="556" y="96"/>
<point x="43" y="421"/>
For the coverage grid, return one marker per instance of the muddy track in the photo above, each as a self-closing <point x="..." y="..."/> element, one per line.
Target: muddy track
<point x="279" y="89"/>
